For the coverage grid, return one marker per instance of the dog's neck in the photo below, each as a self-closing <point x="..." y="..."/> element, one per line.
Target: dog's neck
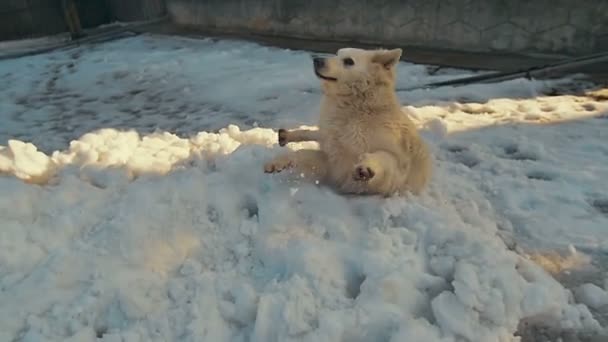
<point x="370" y="102"/>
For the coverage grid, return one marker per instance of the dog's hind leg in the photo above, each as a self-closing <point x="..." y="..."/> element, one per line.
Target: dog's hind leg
<point x="380" y="172"/>
<point x="311" y="164"/>
<point x="297" y="135"/>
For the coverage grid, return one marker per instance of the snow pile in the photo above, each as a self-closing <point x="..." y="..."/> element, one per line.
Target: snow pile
<point x="458" y="117"/>
<point x="218" y="250"/>
<point x="157" y="153"/>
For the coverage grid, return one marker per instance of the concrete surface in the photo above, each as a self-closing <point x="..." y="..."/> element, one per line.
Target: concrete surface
<point x="530" y="26"/>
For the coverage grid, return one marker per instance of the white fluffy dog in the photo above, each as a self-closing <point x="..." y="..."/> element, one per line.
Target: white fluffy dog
<point x="368" y="145"/>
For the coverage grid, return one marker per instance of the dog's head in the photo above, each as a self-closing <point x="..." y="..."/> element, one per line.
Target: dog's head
<point x="356" y="70"/>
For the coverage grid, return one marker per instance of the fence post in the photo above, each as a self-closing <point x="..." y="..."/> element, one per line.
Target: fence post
<point x="71" y="17"/>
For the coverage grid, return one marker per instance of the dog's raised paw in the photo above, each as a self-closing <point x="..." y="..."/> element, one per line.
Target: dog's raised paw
<point x="282" y="137"/>
<point x="363" y="173"/>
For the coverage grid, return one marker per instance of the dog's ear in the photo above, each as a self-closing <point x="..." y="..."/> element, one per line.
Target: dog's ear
<point x="387" y="58"/>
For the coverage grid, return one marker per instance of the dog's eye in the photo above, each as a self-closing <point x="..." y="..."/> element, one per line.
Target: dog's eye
<point x="348" y="61"/>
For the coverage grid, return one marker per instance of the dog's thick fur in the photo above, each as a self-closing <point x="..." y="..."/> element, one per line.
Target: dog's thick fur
<point x="367" y="144"/>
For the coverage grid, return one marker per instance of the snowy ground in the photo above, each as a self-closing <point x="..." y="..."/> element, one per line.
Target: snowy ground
<point x="147" y="217"/>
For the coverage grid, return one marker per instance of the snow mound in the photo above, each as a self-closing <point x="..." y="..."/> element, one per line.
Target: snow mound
<point x="161" y="238"/>
<point x="157" y="153"/>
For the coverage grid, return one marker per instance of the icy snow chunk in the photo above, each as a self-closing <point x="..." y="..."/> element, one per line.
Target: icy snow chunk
<point x="190" y="267"/>
<point x="591" y="295"/>
<point x="240" y="304"/>
<point x="455" y="318"/>
<point x="419" y="330"/>
<point x="294" y="308"/>
<point x="25" y="162"/>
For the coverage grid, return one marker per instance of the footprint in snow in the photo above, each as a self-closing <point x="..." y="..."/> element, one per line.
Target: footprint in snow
<point x="540" y="175"/>
<point x="514" y="153"/>
<point x="250" y="205"/>
<point x="462" y="155"/>
<point x="600" y="204"/>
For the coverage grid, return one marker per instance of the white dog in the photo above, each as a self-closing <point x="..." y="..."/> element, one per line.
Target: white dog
<point x="368" y="145"/>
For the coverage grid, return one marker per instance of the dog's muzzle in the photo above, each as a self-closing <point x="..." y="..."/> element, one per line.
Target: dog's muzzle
<point x="319" y="64"/>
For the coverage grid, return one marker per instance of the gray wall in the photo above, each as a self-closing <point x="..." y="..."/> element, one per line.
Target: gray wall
<point x="571" y="27"/>
<point x="31" y="18"/>
<point x="136" y="10"/>
<point x="20" y="18"/>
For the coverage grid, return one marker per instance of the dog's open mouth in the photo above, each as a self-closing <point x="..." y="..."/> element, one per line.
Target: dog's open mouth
<point x="327" y="78"/>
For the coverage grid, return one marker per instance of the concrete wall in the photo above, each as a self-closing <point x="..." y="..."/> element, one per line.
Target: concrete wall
<point x="19" y="18"/>
<point x="571" y="27"/>
<point x="136" y="10"/>
<point x="31" y="18"/>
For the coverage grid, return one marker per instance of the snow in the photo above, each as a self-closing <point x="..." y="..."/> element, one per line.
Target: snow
<point x="591" y="295"/>
<point x="135" y="208"/>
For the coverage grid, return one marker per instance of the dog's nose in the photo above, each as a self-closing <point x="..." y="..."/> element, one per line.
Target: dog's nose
<point x="318" y="62"/>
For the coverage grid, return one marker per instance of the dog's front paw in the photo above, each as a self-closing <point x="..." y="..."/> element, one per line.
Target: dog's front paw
<point x="277" y="165"/>
<point x="282" y="137"/>
<point x="363" y="173"/>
